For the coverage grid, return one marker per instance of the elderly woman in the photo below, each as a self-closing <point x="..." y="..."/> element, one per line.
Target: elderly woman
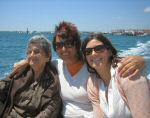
<point x="32" y="90"/>
<point x="113" y="96"/>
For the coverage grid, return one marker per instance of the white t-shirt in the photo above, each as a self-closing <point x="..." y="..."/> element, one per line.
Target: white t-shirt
<point x="74" y="92"/>
<point x="116" y="107"/>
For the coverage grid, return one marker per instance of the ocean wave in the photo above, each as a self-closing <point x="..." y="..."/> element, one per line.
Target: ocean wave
<point x="140" y="49"/>
<point x="4" y="75"/>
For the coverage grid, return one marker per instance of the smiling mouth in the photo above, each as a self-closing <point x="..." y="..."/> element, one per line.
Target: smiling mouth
<point x="65" y="54"/>
<point x="97" y="60"/>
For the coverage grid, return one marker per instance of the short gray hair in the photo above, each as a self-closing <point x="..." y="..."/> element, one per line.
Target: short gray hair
<point x="42" y="42"/>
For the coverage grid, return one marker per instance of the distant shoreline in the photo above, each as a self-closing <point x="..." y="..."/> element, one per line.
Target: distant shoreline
<point x="126" y="32"/>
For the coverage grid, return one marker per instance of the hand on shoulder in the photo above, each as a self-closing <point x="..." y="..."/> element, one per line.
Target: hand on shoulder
<point x="131" y="66"/>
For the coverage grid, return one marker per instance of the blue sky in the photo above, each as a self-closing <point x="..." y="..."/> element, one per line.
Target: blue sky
<point x="88" y="15"/>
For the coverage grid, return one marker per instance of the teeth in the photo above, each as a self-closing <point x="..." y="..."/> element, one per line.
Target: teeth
<point x="97" y="59"/>
<point x="65" y="54"/>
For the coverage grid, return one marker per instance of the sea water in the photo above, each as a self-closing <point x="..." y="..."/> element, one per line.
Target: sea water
<point x="13" y="47"/>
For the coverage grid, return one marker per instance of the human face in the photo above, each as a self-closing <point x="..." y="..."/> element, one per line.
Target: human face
<point x="66" y="44"/>
<point x="66" y="50"/>
<point x="97" y="54"/>
<point x="37" y="58"/>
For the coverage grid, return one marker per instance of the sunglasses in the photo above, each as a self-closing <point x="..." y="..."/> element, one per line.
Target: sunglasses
<point x="66" y="44"/>
<point x="97" y="49"/>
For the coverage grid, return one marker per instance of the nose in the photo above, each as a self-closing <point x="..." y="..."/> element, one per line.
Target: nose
<point x="93" y="52"/>
<point x="32" y="53"/>
<point x="63" y="47"/>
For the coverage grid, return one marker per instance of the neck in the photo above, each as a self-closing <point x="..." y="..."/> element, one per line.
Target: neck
<point x="75" y="66"/>
<point x="105" y="74"/>
<point x="38" y="73"/>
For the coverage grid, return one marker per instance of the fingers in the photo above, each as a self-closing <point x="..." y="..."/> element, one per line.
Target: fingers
<point x="124" y="64"/>
<point x="126" y="70"/>
<point x="19" y="67"/>
<point x="131" y="66"/>
<point x="129" y="71"/>
<point x="134" y="74"/>
<point x="19" y="64"/>
<point x="138" y="60"/>
<point x="128" y="67"/>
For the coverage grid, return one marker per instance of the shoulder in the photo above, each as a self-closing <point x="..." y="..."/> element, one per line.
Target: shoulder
<point x="129" y="82"/>
<point x="93" y="83"/>
<point x="93" y="80"/>
<point x="93" y="90"/>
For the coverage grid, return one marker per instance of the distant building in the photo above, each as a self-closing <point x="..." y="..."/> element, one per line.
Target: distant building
<point x="131" y="32"/>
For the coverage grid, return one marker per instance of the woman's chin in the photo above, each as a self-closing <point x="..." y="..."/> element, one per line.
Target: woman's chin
<point x="96" y="65"/>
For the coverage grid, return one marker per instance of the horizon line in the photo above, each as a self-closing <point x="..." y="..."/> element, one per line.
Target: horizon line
<point x="79" y="30"/>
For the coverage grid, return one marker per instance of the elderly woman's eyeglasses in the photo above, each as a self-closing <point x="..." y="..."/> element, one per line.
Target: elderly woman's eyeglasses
<point x="97" y="49"/>
<point x="66" y="44"/>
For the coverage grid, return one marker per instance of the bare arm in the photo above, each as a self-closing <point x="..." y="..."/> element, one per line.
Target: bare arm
<point x="20" y="63"/>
